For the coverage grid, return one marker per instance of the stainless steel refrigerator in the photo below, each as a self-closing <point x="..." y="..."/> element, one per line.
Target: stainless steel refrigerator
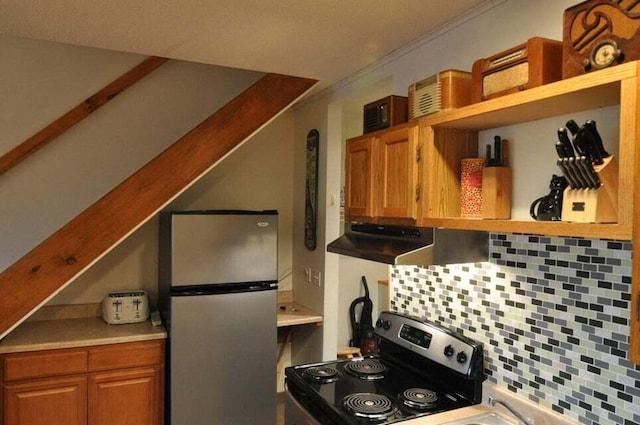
<point x="218" y="276"/>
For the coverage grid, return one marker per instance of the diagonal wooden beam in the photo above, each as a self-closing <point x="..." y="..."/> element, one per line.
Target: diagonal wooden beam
<point x="78" y="113"/>
<point x="36" y="277"/>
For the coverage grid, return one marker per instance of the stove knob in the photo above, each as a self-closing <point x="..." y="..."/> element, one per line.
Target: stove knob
<point x="462" y="357"/>
<point x="384" y="324"/>
<point x="448" y="351"/>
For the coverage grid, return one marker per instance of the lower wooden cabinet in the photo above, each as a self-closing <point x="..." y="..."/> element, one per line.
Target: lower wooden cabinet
<point x="44" y="402"/>
<point x="115" y="384"/>
<point x="124" y="397"/>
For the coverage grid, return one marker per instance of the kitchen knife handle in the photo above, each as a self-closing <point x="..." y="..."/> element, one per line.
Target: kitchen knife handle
<point x="578" y="174"/>
<point x="588" y="172"/>
<point x="568" y="173"/>
<point x="593" y="174"/>
<point x="590" y="125"/>
<point x="561" y="150"/>
<point x="563" y="138"/>
<point x="573" y="127"/>
<point x="497" y="148"/>
<point x="588" y="145"/>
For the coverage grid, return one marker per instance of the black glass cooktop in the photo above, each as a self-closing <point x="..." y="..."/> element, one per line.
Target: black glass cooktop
<point x="367" y="391"/>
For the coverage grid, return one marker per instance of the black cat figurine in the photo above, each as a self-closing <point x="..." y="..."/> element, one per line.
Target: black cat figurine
<point x="549" y="207"/>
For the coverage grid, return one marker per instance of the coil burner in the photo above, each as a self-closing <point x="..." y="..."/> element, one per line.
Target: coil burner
<point x="368" y="405"/>
<point x="321" y="374"/>
<point x="419" y="398"/>
<point x="368" y="369"/>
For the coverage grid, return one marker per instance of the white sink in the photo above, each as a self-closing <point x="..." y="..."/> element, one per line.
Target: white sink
<point x="484" y="419"/>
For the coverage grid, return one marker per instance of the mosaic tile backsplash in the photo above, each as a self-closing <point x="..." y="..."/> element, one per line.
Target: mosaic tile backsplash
<point x="552" y="313"/>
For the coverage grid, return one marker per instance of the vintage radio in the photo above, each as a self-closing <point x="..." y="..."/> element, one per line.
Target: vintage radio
<point x="448" y="89"/>
<point x="384" y="113"/>
<point x="528" y="65"/>
<point x="598" y="34"/>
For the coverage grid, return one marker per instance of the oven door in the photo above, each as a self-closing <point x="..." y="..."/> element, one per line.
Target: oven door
<point x="295" y="413"/>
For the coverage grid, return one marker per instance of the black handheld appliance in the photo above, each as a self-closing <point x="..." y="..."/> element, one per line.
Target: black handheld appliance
<point x="362" y="335"/>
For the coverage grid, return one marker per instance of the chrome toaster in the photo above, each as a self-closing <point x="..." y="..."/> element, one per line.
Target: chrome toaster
<point x="125" y="307"/>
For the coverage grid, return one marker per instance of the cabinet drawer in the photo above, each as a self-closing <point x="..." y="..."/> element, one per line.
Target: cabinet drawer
<point x="126" y="355"/>
<point x="51" y="363"/>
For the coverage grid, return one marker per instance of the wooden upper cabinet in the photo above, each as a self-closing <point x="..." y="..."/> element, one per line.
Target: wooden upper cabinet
<point x="381" y="175"/>
<point x="398" y="182"/>
<point x="359" y="176"/>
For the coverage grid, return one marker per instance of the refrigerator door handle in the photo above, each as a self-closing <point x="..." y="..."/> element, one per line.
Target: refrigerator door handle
<point x="224" y="288"/>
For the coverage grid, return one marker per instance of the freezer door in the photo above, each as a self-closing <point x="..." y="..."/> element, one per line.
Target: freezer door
<point x="222" y="359"/>
<point x="223" y="248"/>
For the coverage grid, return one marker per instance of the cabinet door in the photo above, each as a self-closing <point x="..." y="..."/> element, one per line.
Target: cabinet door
<point x="398" y="181"/>
<point x="46" y="402"/>
<point x="129" y="397"/>
<point x="359" y="177"/>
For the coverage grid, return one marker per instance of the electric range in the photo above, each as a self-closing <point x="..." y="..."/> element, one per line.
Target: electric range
<point x="421" y="369"/>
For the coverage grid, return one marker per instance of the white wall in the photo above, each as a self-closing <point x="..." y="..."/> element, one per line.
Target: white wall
<point x="350" y="287"/>
<point x="307" y="344"/>
<point x="40" y="81"/>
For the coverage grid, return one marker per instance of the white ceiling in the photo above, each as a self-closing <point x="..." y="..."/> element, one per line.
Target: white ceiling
<point x="323" y="39"/>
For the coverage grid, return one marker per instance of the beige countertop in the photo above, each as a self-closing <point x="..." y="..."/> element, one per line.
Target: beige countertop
<point x="454" y="415"/>
<point x="534" y="413"/>
<point x="69" y="333"/>
<point x="81" y="326"/>
<point x="74" y="326"/>
<point x="291" y="314"/>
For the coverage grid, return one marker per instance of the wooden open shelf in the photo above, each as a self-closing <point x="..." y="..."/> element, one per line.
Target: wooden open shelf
<point x="608" y="87"/>
<point x="582" y="93"/>
<point x="551" y="228"/>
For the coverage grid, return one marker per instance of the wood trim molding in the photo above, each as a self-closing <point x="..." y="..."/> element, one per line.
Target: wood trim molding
<point x="78" y="113"/>
<point x="37" y="276"/>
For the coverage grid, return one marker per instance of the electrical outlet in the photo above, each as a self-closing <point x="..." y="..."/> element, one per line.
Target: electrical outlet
<point x="307" y="274"/>
<point x="317" y="279"/>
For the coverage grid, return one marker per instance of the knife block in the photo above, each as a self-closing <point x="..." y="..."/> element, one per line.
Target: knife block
<point x="496" y="193"/>
<point x="594" y="205"/>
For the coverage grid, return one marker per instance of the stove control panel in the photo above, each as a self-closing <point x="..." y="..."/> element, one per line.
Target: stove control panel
<point x="415" y="335"/>
<point x="429" y="340"/>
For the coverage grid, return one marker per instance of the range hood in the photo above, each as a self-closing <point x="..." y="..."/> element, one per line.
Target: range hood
<point x="420" y="246"/>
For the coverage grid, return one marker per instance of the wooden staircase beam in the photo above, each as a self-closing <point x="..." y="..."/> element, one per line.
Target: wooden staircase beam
<point x="78" y="113"/>
<point x="50" y="266"/>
